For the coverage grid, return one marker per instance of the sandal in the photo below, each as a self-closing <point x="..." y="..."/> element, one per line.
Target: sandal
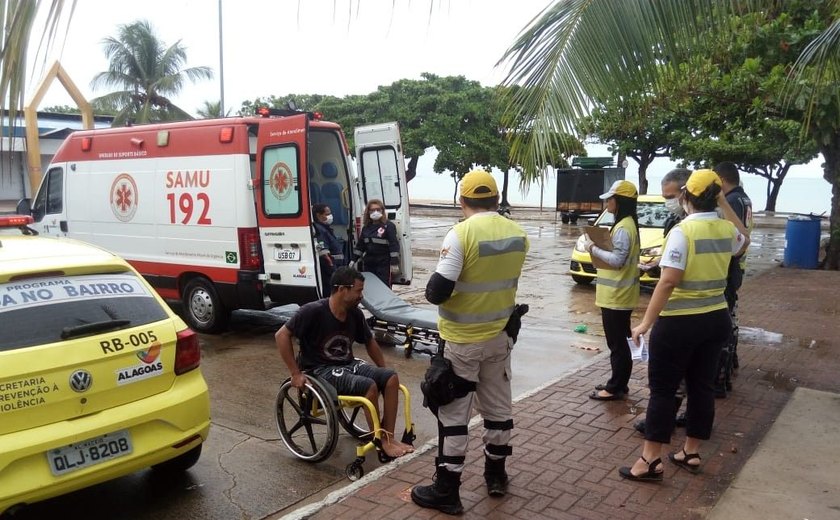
<point x="648" y="476"/>
<point x="684" y="463"/>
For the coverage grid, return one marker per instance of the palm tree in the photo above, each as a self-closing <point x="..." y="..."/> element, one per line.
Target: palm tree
<point x="211" y="110"/>
<point x="18" y="21"/>
<point x="148" y="72"/>
<point x="577" y="53"/>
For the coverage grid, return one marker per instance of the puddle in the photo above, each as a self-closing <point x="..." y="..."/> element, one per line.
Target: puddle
<point x="779" y="380"/>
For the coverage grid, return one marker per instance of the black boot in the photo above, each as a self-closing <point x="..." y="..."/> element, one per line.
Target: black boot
<point x="442" y="495"/>
<point x="495" y="477"/>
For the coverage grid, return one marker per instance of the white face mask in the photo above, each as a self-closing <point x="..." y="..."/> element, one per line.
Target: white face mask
<point x="329" y="220"/>
<point x="375" y="215"/>
<point x="674" y="206"/>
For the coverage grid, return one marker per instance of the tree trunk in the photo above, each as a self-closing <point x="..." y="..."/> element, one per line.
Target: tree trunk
<point x="411" y="168"/>
<point x="504" y="202"/>
<point x="774" y="185"/>
<point x="831" y="173"/>
<point x="644" y="162"/>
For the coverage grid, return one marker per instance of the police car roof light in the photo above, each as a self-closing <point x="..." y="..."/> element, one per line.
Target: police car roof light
<point x="12" y="221"/>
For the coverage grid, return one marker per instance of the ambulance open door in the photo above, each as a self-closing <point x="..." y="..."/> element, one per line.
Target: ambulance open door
<point x="283" y="210"/>
<point x="381" y="166"/>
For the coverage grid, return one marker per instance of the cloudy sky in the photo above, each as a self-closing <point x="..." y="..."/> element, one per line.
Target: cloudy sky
<point x="336" y="47"/>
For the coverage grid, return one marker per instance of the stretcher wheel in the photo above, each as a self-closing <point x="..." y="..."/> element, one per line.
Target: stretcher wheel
<point x="354" y="471"/>
<point x="306" y="420"/>
<point x="354" y="421"/>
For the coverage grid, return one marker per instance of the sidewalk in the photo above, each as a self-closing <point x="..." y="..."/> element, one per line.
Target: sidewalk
<point x="567" y="448"/>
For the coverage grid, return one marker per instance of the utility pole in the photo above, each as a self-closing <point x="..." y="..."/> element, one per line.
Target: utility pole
<point x="221" y="66"/>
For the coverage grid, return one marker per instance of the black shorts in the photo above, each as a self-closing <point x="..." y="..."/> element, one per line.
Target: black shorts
<point x="355" y="378"/>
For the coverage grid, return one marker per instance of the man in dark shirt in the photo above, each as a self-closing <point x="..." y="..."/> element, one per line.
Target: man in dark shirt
<point x="742" y="206"/>
<point x="326" y="330"/>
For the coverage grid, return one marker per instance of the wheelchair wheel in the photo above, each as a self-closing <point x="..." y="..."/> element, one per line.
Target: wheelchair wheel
<point x="306" y="420"/>
<point x="354" y="421"/>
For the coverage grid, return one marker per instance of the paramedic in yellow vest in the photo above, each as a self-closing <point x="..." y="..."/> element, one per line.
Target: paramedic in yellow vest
<point x="617" y="290"/>
<point x="690" y="323"/>
<point x="474" y="286"/>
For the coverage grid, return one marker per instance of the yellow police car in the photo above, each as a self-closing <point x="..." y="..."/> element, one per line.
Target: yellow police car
<point x="98" y="377"/>
<point x="652" y="217"/>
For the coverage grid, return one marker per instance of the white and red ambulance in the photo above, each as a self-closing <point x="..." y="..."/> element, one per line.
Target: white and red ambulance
<point x="216" y="213"/>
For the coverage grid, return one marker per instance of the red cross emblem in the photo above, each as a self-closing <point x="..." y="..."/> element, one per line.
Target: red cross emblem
<point x="124" y="197"/>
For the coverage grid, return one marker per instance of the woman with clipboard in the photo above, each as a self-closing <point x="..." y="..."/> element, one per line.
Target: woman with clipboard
<point x="617" y="290"/>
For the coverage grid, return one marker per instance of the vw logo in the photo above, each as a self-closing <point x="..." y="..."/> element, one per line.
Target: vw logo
<point x="80" y="380"/>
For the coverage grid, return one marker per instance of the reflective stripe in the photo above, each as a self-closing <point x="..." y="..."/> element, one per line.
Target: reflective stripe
<point x="702" y="285"/>
<point x="395" y="254"/>
<point x="377" y="241"/>
<point x="338" y="257"/>
<point x="500" y="247"/>
<point x="675" y="305"/>
<point x="475" y="287"/>
<point x="357" y="252"/>
<point x="616" y="283"/>
<point x="462" y="317"/>
<point x="498" y="425"/>
<point x="713" y="245"/>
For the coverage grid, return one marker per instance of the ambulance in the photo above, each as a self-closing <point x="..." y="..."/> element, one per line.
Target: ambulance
<point x="216" y="214"/>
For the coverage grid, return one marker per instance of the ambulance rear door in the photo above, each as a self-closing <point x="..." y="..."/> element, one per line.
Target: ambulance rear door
<point x="381" y="166"/>
<point x="283" y="214"/>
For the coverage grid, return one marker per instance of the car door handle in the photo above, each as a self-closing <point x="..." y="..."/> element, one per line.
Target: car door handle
<point x="63" y="226"/>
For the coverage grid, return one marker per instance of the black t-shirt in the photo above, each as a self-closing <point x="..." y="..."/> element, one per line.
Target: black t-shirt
<point x="324" y="340"/>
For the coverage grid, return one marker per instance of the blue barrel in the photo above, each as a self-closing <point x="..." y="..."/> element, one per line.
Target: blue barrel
<point x="802" y="242"/>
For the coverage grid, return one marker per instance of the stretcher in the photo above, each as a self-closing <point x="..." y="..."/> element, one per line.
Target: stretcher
<point x="390" y="314"/>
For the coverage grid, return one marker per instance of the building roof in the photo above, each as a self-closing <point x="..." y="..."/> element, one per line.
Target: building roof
<point x="52" y="125"/>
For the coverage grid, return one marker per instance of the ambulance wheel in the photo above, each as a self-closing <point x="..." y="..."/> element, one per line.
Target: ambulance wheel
<point x="203" y="309"/>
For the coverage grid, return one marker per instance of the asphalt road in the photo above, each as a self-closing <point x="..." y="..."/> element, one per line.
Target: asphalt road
<point x="245" y="471"/>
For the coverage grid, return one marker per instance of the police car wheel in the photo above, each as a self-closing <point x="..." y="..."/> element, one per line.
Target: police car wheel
<point x="583" y="280"/>
<point x="203" y="309"/>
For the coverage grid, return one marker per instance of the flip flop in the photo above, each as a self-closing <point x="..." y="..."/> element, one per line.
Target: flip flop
<point x="614" y="397"/>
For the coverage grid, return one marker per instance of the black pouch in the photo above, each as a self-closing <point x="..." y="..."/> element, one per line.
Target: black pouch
<point x="514" y="323"/>
<point x="441" y="385"/>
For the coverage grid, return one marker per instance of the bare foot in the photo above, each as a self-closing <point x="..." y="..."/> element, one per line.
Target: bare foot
<point x="392" y="448"/>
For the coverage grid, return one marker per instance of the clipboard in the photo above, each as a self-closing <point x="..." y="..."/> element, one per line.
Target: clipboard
<point x="601" y="237"/>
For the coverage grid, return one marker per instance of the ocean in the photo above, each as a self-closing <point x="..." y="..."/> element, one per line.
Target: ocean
<point x="803" y="190"/>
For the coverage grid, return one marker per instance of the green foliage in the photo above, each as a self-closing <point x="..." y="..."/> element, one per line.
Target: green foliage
<point x="459" y="117"/>
<point x="148" y="72"/>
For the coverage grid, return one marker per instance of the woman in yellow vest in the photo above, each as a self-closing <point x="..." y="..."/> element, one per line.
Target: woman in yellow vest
<point x="692" y="324"/>
<point x="617" y="290"/>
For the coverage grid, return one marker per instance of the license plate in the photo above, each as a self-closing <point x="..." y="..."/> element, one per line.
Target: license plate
<point x="89" y="453"/>
<point x="284" y="255"/>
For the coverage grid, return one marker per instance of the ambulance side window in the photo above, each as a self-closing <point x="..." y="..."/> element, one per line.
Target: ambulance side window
<point x="50" y="198"/>
<point x="281" y="180"/>
<point x="382" y="176"/>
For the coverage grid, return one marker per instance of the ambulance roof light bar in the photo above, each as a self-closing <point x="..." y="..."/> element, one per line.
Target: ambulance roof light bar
<point x="285" y="112"/>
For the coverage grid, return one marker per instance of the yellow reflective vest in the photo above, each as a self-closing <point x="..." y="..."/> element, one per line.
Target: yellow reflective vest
<point x="484" y="295"/>
<point x="707" y="266"/>
<point x="618" y="289"/>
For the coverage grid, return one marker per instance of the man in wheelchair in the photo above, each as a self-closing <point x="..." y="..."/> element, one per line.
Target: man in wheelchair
<point x="326" y="330"/>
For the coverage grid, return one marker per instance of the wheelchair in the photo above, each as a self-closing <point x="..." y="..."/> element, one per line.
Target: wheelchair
<point x="308" y="420"/>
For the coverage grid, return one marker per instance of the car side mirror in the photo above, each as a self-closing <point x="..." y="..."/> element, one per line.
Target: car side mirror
<point x="24" y="207"/>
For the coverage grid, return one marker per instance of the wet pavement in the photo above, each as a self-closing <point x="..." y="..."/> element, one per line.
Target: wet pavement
<point x="246" y="472"/>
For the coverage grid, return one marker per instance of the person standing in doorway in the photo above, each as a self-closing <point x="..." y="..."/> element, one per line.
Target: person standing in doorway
<point x="378" y="246"/>
<point x="617" y="290"/>
<point x="330" y="247"/>
<point x="474" y="286"/>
